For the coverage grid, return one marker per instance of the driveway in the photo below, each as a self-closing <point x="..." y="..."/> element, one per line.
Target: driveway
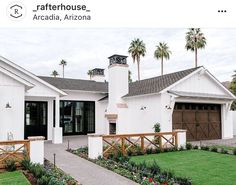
<point x="225" y="142"/>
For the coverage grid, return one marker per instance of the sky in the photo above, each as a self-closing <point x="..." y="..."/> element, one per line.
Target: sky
<point x="41" y="50"/>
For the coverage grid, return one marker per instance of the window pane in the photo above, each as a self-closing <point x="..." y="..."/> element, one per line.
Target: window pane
<point x="79" y="117"/>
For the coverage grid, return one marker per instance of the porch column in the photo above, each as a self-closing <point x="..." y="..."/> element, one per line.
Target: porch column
<point x="57" y="130"/>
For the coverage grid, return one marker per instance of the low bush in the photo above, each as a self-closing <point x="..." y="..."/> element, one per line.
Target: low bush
<point x="25" y="163"/>
<point x="10" y="165"/>
<point x="234" y="151"/>
<point x="189" y="146"/>
<point x="223" y="151"/>
<point x="195" y="147"/>
<point x="47" y="175"/>
<point x="214" y="149"/>
<point x="205" y="148"/>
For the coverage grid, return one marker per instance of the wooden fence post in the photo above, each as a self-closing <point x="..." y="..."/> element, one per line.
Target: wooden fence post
<point x="176" y="140"/>
<point x="160" y="142"/>
<point x="142" y="143"/>
<point x="123" y="145"/>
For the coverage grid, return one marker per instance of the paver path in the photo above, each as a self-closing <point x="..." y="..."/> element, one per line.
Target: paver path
<point x="84" y="171"/>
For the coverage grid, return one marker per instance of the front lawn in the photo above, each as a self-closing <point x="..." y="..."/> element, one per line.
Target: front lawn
<point x="13" y="178"/>
<point x="203" y="167"/>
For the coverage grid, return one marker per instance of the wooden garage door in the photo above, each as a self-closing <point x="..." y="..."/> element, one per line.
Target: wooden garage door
<point x="202" y="121"/>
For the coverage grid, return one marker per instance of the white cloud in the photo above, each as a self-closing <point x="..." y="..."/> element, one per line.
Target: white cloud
<point x="40" y="50"/>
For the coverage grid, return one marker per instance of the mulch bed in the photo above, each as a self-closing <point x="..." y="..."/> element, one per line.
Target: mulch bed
<point x="30" y="177"/>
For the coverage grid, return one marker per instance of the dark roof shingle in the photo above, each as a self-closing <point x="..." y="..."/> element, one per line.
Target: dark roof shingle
<point x="76" y="84"/>
<point x="156" y="84"/>
<point x="147" y="86"/>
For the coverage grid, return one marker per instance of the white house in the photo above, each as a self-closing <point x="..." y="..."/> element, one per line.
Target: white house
<point x="191" y="99"/>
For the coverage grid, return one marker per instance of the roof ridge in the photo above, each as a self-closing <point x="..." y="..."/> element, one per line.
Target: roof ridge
<point x="168" y="74"/>
<point x="60" y="78"/>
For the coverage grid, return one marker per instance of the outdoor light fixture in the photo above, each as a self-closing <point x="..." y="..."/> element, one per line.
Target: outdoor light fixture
<point x="8" y="106"/>
<point x="143" y="108"/>
<point x="168" y="107"/>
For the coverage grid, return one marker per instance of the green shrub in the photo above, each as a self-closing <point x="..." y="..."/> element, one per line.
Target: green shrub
<point x="10" y="165"/>
<point x="149" y="150"/>
<point x="195" y="147"/>
<point x="43" y="180"/>
<point x="205" y="148"/>
<point x="37" y="170"/>
<point x="223" y="151"/>
<point x="214" y="149"/>
<point x="234" y="151"/>
<point x="189" y="146"/>
<point x="25" y="163"/>
<point x="157" y="127"/>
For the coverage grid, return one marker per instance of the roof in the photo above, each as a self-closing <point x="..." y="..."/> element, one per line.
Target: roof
<point x="147" y="86"/>
<point x="201" y="95"/>
<point x="157" y="84"/>
<point x="76" y="84"/>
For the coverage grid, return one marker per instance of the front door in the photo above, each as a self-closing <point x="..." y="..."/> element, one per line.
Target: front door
<point x="35" y="119"/>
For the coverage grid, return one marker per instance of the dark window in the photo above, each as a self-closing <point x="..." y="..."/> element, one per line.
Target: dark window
<point x="112" y="128"/>
<point x="77" y="117"/>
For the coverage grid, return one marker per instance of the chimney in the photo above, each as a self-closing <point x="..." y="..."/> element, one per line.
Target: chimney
<point x="118" y="81"/>
<point x="98" y="75"/>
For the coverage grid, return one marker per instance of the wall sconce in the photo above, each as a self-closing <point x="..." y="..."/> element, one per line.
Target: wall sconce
<point x="8" y="106"/>
<point x="168" y="107"/>
<point x="143" y="108"/>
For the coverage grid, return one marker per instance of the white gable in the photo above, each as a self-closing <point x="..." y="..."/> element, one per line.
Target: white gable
<point x="40" y="88"/>
<point x="8" y="81"/>
<point x="201" y="82"/>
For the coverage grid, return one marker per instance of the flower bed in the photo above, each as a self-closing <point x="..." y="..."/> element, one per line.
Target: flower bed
<point x="140" y="173"/>
<point x="46" y="175"/>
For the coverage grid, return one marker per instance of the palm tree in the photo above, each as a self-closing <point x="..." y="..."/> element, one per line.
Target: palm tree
<point x="55" y="73"/>
<point x="63" y="63"/>
<point x="129" y="76"/>
<point x="162" y="51"/>
<point x="90" y="74"/>
<point x="137" y="49"/>
<point x="195" y="40"/>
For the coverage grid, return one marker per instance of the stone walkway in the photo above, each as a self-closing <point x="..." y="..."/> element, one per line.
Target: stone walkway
<point x="87" y="173"/>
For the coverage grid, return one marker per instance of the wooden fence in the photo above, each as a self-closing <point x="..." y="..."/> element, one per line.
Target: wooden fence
<point x="15" y="150"/>
<point x="125" y="142"/>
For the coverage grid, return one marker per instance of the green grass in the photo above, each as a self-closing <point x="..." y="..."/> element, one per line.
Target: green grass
<point x="203" y="167"/>
<point x="13" y="178"/>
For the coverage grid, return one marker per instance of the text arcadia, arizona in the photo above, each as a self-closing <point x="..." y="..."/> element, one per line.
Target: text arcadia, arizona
<point x="55" y="17"/>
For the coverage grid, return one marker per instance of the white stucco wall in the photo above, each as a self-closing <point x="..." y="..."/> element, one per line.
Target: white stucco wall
<point x="12" y="119"/>
<point x="199" y="83"/>
<point x="135" y="120"/>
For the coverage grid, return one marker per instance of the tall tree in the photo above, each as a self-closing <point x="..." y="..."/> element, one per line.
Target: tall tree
<point x="195" y="40"/>
<point x="54" y="73"/>
<point x="130" y="78"/>
<point x="90" y="74"/>
<point x="162" y="52"/>
<point x="63" y="63"/>
<point x="233" y="89"/>
<point x="137" y="49"/>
